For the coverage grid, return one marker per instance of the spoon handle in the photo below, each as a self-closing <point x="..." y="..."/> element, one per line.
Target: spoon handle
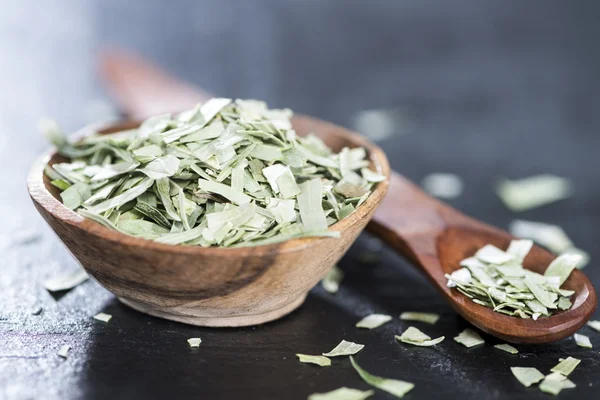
<point x="410" y="221"/>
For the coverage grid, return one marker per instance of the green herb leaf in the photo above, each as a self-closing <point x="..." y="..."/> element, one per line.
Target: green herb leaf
<point x="318" y="360"/>
<point x="331" y="282"/>
<point x="469" y="338"/>
<point x="103" y="317"/>
<point x="527" y="376"/>
<point x="123" y="198"/>
<point x="444" y="186"/>
<point x="66" y="282"/>
<point x="345" y="349"/>
<point x="311" y="209"/>
<point x="342" y="393"/>
<point x="223" y="190"/>
<point x="162" y="167"/>
<point x="535" y="191"/>
<point x="415" y="337"/>
<point x="594" y="325"/>
<point x="74" y="196"/>
<point x="428" y="318"/>
<point x="562" y="266"/>
<point x="566" y="366"/>
<point x="64" y="351"/>
<point x="507" y="348"/>
<point x="582" y="340"/>
<point x="373" y="321"/>
<point x="395" y="387"/>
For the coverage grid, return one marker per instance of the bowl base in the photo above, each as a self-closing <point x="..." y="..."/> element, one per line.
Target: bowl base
<point x="213" y="321"/>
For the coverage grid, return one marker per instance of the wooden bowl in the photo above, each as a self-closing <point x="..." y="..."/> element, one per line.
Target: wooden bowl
<point x="207" y="286"/>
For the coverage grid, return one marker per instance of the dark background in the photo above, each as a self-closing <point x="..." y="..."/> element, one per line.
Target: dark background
<point x="488" y="89"/>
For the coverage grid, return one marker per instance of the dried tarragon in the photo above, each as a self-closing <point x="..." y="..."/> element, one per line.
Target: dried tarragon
<point x="225" y="173"/>
<point x="342" y="393"/>
<point x="318" y="360"/>
<point x="535" y="191"/>
<point x="395" y="387"/>
<point x="103" y="317"/>
<point x="66" y="282"/>
<point x="497" y="279"/>
<point x="373" y="321"/>
<point x="417" y="338"/>
<point x="345" y="349"/>
<point x="552" y="237"/>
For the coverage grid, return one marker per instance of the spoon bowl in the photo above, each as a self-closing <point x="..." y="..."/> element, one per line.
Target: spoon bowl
<point x="207" y="286"/>
<point x="436" y="237"/>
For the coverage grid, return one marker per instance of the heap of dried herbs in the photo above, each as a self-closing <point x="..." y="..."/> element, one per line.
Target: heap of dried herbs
<point x="225" y="173"/>
<point x="497" y="279"/>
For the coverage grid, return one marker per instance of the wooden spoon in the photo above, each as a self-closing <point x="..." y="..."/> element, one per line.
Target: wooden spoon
<point x="434" y="236"/>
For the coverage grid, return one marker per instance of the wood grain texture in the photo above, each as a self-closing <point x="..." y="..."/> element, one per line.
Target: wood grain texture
<point x="207" y="286"/>
<point x="436" y="237"/>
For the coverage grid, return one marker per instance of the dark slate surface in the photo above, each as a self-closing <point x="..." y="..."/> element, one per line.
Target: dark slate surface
<point x="506" y="88"/>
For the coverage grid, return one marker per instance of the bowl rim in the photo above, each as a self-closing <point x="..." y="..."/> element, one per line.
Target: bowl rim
<point x="44" y="199"/>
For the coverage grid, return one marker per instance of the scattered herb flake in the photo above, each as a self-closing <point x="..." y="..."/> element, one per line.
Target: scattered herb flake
<point x="331" y="282"/>
<point x="428" y="318"/>
<point x="582" y="341"/>
<point x="507" y="348"/>
<point x="445" y="186"/>
<point x="395" y="387"/>
<point x="527" y="376"/>
<point x="66" y="282"/>
<point x="342" y="393"/>
<point x="532" y="192"/>
<point x="373" y="321"/>
<point x="103" y="317"/>
<point x="194" y="342"/>
<point x="469" y="338"/>
<point x="345" y="349"/>
<point x="550" y="236"/>
<point x="415" y="337"/>
<point x="318" y="360"/>
<point x="566" y="366"/>
<point x="551" y="386"/>
<point x="594" y="325"/>
<point x="64" y="351"/>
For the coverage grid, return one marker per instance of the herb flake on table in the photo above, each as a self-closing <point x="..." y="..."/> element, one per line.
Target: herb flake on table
<point x="345" y="349"/>
<point x="373" y="321"/>
<point x="428" y="318"/>
<point x="582" y="340"/>
<point x="566" y="366"/>
<point x="417" y="338"/>
<point x="507" y="348"/>
<point x="532" y="192"/>
<point x="66" y="282"/>
<point x="103" y="317"/>
<point x="526" y="375"/>
<point x="395" y="387"/>
<point x="342" y="393"/>
<point x="318" y="360"/>
<point x="469" y="338"/>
